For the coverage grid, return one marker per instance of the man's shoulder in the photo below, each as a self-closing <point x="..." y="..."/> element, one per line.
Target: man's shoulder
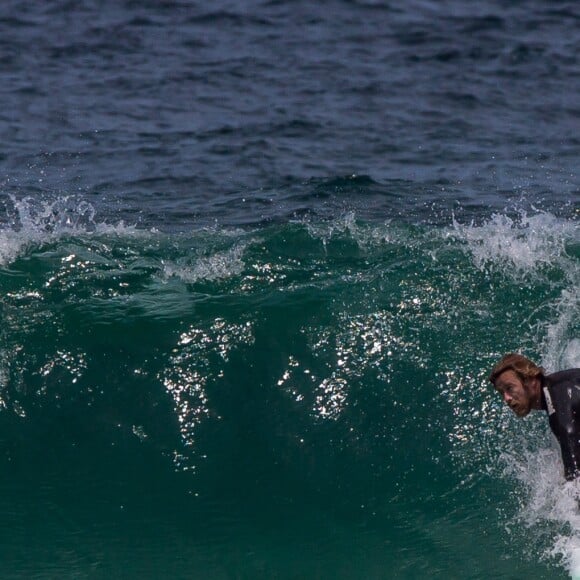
<point x="569" y="376"/>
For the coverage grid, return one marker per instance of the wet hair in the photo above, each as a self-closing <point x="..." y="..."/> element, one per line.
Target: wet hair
<point x="522" y="366"/>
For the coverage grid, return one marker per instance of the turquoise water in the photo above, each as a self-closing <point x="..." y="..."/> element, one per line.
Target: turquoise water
<point x="300" y="400"/>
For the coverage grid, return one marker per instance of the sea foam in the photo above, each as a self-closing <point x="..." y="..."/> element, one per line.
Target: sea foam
<point x="549" y="514"/>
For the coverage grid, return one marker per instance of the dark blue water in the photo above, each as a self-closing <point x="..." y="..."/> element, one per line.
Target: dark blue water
<point x="179" y="112"/>
<point x="256" y="260"/>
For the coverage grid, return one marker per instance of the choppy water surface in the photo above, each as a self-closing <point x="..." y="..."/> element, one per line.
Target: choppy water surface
<point x="250" y="111"/>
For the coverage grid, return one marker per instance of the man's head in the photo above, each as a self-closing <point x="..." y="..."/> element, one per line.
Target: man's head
<point x="518" y="380"/>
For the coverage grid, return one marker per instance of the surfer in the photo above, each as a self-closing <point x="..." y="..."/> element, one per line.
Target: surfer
<point x="524" y="387"/>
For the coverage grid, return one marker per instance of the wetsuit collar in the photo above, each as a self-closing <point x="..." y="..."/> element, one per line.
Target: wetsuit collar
<point x="545" y="396"/>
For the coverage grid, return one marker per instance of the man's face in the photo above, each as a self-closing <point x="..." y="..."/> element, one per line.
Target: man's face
<point x="515" y="393"/>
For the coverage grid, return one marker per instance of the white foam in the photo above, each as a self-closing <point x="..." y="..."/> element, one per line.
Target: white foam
<point x="549" y="514"/>
<point x="525" y="244"/>
<point x="571" y="354"/>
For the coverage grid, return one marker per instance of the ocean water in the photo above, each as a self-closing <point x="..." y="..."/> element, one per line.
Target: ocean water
<point x="256" y="261"/>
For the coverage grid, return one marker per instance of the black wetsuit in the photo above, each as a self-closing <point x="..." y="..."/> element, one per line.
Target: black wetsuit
<point x="561" y="400"/>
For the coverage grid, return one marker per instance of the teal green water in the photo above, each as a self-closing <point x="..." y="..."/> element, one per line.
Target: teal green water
<point x="305" y="400"/>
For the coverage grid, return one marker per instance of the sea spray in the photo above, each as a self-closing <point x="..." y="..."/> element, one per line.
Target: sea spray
<point x="34" y="222"/>
<point x="519" y="246"/>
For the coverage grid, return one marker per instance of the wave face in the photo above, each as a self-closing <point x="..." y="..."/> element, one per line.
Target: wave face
<point x="256" y="261"/>
<point x="214" y="402"/>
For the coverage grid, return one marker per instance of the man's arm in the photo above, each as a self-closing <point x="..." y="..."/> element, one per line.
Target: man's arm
<point x="565" y="423"/>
